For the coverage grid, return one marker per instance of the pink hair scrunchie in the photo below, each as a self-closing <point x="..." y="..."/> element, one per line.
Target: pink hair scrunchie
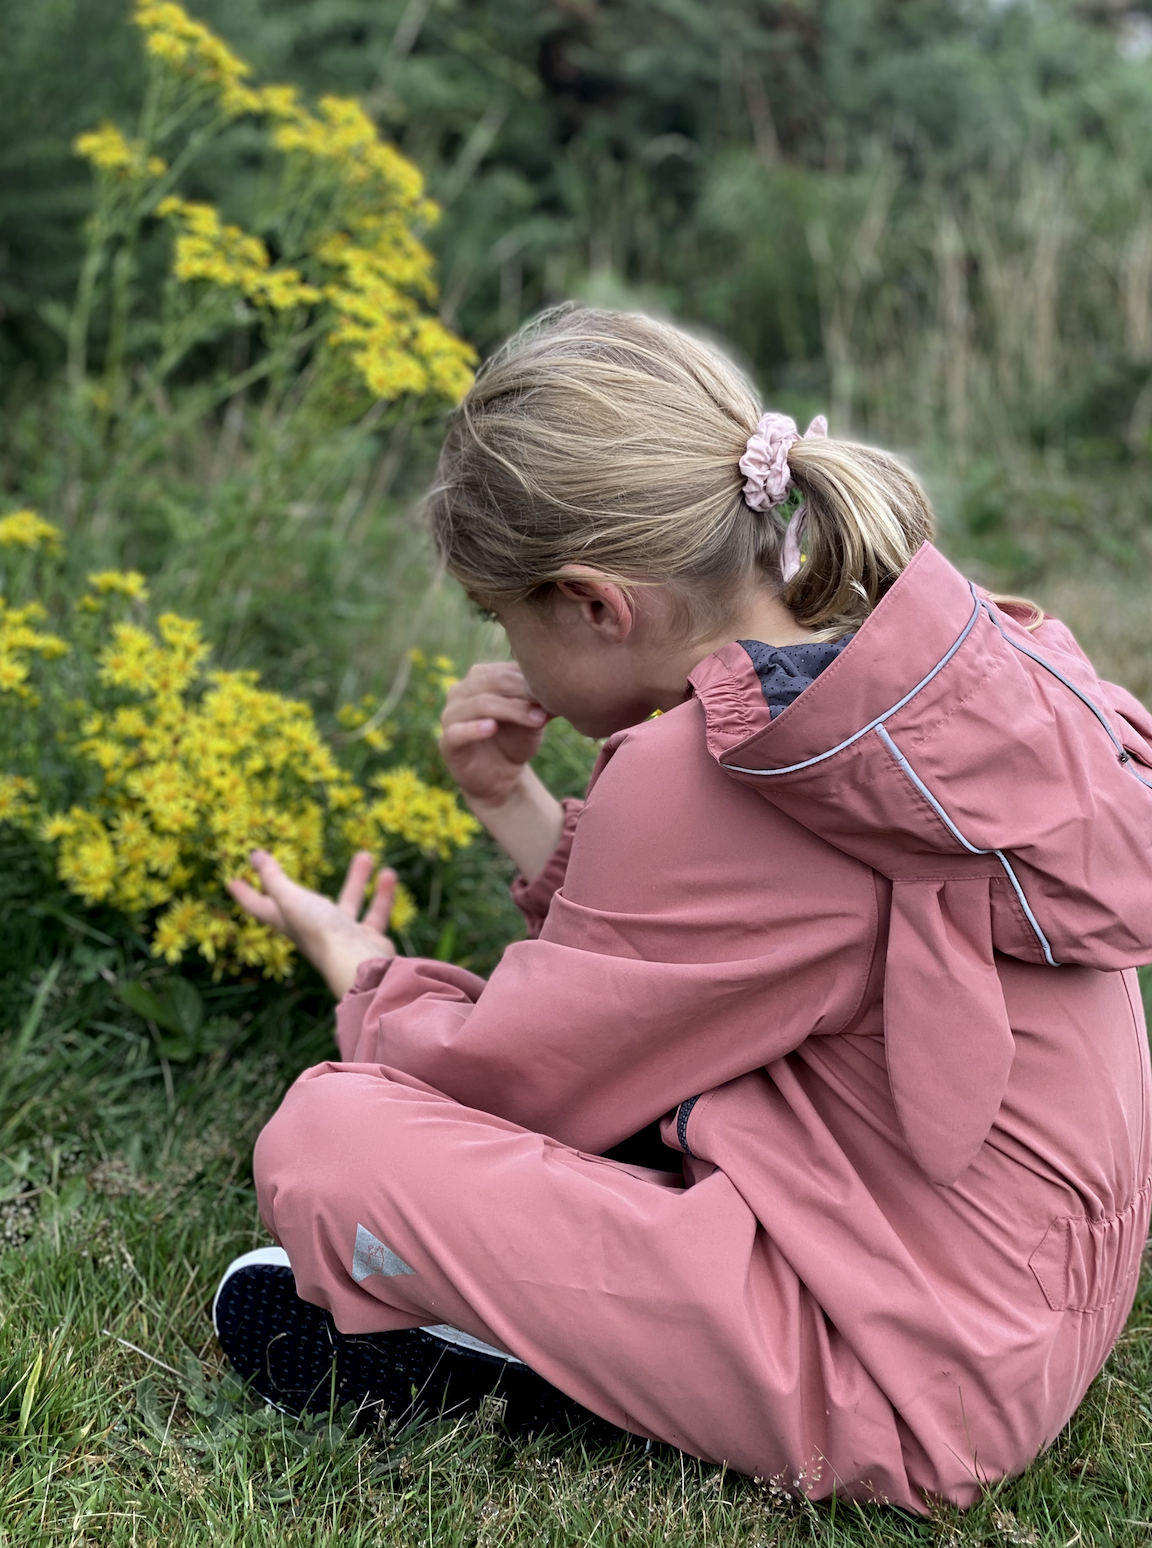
<point x="769" y="478"/>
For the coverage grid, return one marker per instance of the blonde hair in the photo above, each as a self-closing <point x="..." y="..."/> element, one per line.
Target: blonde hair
<point x="611" y="440"/>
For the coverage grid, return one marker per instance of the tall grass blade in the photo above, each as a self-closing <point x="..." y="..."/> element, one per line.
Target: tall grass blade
<point x="28" y="1028"/>
<point x="30" y="1392"/>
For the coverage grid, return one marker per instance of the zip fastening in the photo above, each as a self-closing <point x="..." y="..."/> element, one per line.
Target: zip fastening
<point x="1122" y="754"/>
<point x="683" y="1113"/>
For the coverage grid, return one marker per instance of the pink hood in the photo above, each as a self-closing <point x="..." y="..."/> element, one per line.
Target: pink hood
<point x="1004" y="789"/>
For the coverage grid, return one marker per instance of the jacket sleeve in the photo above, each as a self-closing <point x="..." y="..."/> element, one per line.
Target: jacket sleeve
<point x="1134" y="722"/>
<point x="533" y="899"/>
<point x="677" y="957"/>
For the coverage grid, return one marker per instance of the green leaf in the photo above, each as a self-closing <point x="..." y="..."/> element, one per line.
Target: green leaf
<point x="30" y="1386"/>
<point x="187" y="1008"/>
<point x="152" y="1413"/>
<point x="66" y="1201"/>
<point x="177" y="1050"/>
<point x="141" y="1000"/>
<point x="174" y="1004"/>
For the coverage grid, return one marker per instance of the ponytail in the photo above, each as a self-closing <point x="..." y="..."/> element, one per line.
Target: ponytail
<point x="864" y="518"/>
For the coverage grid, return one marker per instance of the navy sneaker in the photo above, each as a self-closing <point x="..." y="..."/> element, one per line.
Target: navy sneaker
<point x="290" y="1352"/>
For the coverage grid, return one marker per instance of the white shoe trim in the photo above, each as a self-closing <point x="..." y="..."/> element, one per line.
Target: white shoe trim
<point x="276" y="1256"/>
<point x="450" y="1335"/>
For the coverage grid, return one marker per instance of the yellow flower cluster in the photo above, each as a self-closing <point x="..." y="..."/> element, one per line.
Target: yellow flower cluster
<point x="17" y="797"/>
<point x="383" y="272"/>
<point x="190" y="788"/>
<point x="196" y="769"/>
<point x="353" y="716"/>
<point x="440" y="673"/>
<point x="404" y="910"/>
<point x="108" y="151"/>
<point x="346" y="137"/>
<point x="396" y="347"/>
<point x="420" y="814"/>
<point x="25" y="529"/>
<point x="124" y="583"/>
<point x="373" y="272"/>
<point x="189" y="48"/>
<point x="228" y="257"/>
<point x="19" y="640"/>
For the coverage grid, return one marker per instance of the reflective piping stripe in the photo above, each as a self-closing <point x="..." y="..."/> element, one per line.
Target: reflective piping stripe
<point x="1027" y="907"/>
<point x="907" y="769"/>
<point x="927" y="794"/>
<point x="880" y="719"/>
<point x="1124" y="756"/>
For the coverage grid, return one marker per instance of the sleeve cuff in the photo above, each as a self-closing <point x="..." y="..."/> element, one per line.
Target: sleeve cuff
<point x="370" y="974"/>
<point x="353" y="1008"/>
<point x="534" y="898"/>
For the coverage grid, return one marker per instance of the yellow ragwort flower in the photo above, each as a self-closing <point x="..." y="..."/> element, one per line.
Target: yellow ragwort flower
<point x="344" y="135"/>
<point x="17" y="798"/>
<point x="230" y="258"/>
<point x="396" y="347"/>
<point x="421" y="814"/>
<point x="190" y="49"/>
<point x="109" y="152"/>
<point x="196" y="771"/>
<point x="404" y="910"/>
<point x="378" y="274"/>
<point x="19" y="641"/>
<point x="25" y="529"/>
<point x="123" y="583"/>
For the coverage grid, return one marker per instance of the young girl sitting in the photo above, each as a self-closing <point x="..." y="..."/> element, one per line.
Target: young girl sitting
<point x="808" y="1131"/>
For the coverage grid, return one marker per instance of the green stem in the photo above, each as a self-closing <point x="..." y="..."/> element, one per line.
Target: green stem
<point x="167" y="180"/>
<point x="123" y="267"/>
<point x="82" y="307"/>
<point x="200" y="403"/>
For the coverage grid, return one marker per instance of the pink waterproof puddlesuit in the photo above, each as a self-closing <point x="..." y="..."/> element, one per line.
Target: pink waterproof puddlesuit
<point x="916" y="1156"/>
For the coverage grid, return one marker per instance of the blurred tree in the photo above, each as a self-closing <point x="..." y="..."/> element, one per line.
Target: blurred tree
<point x="577" y="137"/>
<point x="933" y="215"/>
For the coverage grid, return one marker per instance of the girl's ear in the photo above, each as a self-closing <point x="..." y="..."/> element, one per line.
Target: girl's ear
<point x="605" y="607"/>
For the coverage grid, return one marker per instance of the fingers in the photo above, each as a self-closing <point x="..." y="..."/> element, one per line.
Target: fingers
<point x="493" y="693"/>
<point x="463" y="732"/>
<point x="495" y="706"/>
<point x="293" y="902"/>
<point x="351" y="894"/>
<point x="258" y="904"/>
<point x="383" y="896"/>
<point x="272" y="877"/>
<point x="492" y="677"/>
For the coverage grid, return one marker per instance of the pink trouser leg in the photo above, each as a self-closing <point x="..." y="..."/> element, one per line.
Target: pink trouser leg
<point x="663" y="1309"/>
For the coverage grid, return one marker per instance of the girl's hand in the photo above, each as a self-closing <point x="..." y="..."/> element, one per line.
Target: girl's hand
<point x="490" y="729"/>
<point x="330" y="934"/>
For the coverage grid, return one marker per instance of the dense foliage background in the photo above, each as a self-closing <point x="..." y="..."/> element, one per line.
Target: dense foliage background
<point x="932" y="217"/>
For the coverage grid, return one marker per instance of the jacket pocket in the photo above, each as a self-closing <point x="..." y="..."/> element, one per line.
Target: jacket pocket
<point x="1083" y="1264"/>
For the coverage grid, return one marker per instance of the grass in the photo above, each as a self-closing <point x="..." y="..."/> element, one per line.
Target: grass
<point x="125" y="1190"/>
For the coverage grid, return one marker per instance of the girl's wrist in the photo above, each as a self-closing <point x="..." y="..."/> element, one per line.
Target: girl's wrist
<point x="339" y="962"/>
<point x="517" y="796"/>
<point x="527" y="823"/>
